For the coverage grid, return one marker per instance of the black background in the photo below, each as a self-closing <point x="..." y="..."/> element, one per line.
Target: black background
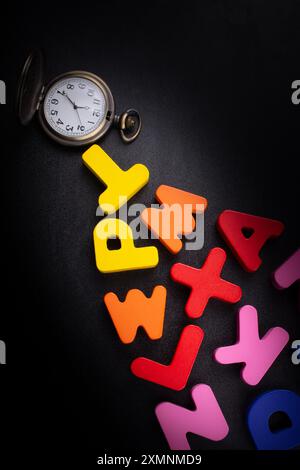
<point x="212" y="81"/>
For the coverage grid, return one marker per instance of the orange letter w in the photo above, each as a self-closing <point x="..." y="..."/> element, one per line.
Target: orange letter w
<point x="138" y="310"/>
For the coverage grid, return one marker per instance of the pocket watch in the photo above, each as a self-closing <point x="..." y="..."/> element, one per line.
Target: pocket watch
<point x="75" y="108"/>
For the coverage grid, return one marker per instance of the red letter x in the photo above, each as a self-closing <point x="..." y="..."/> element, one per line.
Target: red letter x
<point x="206" y="283"/>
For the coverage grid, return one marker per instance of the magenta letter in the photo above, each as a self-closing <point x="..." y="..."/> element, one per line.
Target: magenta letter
<point x="207" y="420"/>
<point x="257" y="354"/>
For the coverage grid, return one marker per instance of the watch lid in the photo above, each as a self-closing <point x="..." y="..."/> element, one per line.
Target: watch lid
<point x="30" y="86"/>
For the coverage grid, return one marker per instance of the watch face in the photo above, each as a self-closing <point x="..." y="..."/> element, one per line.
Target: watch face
<point x="75" y="107"/>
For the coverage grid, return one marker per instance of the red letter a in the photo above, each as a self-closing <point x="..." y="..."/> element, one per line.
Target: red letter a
<point x="246" y="235"/>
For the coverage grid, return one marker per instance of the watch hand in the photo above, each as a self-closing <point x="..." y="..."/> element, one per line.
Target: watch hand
<point x="65" y="94"/>
<point x="75" y="107"/>
<point x="73" y="103"/>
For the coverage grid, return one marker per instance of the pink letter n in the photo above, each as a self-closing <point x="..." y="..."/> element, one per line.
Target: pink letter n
<point x="207" y="420"/>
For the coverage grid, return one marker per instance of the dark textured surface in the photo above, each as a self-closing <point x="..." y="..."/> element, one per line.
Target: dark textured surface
<point x="212" y="82"/>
